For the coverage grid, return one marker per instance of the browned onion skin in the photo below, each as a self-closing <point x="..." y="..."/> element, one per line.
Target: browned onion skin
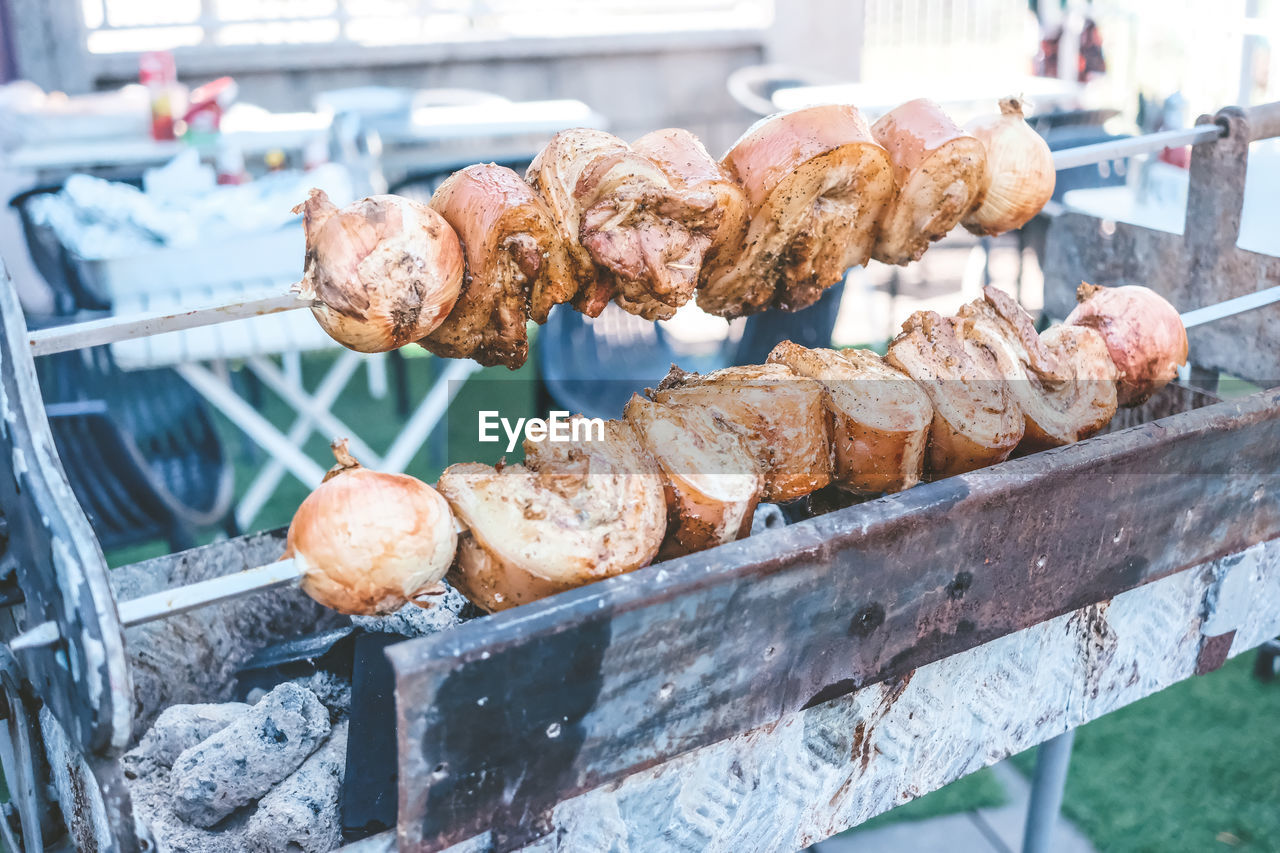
<point x="574" y="513"/>
<point x="1143" y="333"/>
<point x="369" y="542"/>
<point x="384" y="271"/>
<point x="517" y="267"/>
<point x="817" y="184"/>
<point x="1019" y="168"/>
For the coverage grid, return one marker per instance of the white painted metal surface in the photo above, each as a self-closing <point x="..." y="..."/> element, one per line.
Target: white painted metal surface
<point x="819" y="771"/>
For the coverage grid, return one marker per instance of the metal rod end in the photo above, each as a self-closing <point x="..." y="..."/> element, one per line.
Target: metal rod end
<point x="44" y="634"/>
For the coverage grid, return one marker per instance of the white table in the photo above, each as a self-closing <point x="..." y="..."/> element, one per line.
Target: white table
<point x="1162" y="204"/>
<point x="48" y="162"/>
<point x="431" y="138"/>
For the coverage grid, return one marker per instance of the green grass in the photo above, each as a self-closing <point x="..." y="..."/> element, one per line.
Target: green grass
<point x="1194" y="768"/>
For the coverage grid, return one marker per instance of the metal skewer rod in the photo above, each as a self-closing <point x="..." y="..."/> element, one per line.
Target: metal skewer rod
<point x="171" y="602"/>
<point x="112" y="329"/>
<point x="1069" y="158"/>
<point x="126" y="327"/>
<point x="1230" y="307"/>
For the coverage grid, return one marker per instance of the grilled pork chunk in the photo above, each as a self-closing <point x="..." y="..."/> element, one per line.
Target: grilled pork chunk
<point x="817" y="185"/>
<point x="1063" y="380"/>
<point x="632" y="234"/>
<point x="573" y="514"/>
<point x="780" y="415"/>
<point x="517" y="266"/>
<point x="940" y="173"/>
<point x="976" y="421"/>
<point x="880" y="417"/>
<point x="713" y="481"/>
<point x="684" y="160"/>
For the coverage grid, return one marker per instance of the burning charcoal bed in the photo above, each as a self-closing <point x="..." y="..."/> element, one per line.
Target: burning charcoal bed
<point x="243" y="710"/>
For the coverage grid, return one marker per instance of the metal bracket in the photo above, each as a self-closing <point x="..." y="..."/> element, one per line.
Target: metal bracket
<point x="84" y="680"/>
<point x="1202" y="266"/>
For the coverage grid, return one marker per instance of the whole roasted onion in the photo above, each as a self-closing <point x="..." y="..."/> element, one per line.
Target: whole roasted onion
<point x="1020" y="173"/>
<point x="384" y="271"/>
<point x="1144" y="335"/>
<point x="369" y="542"/>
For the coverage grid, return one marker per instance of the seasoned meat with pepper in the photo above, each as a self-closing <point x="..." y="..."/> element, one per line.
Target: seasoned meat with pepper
<point x="633" y="235"/>
<point x="817" y="184"/>
<point x="517" y="266"/>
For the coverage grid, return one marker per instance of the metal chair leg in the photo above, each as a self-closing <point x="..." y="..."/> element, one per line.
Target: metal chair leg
<point x="1052" y="760"/>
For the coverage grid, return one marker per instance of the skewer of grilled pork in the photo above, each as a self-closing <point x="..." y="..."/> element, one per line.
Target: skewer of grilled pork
<point x="799" y="199"/>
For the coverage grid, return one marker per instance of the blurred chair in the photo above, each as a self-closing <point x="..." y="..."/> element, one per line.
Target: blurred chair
<point x="70" y="295"/>
<point x="753" y="86"/>
<point x="140" y="450"/>
<point x="593" y="366"/>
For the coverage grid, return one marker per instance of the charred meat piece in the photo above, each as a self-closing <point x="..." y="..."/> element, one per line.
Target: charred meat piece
<point x="780" y="415"/>
<point x="1063" y="380"/>
<point x="713" y="481"/>
<point x="632" y="234"/>
<point x="575" y="513"/>
<point x="976" y="421"/>
<point x="684" y="160"/>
